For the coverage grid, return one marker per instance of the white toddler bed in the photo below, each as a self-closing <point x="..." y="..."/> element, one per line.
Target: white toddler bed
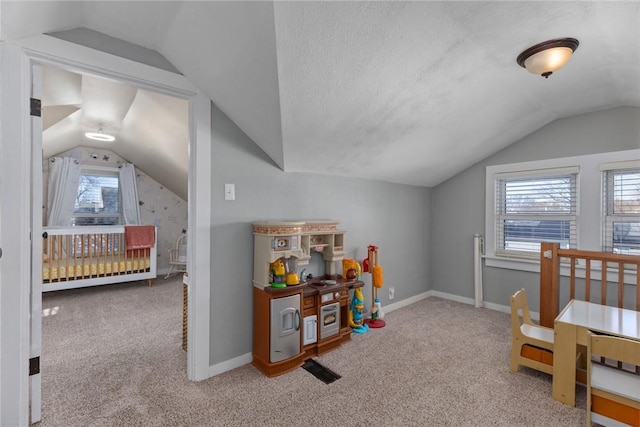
<point x="88" y="256"/>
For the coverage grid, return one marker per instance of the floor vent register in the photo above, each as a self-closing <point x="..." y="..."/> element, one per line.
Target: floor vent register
<point x="322" y="373"/>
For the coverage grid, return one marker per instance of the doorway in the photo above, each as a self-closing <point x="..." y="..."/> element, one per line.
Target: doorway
<point x="18" y="342"/>
<point x="117" y="328"/>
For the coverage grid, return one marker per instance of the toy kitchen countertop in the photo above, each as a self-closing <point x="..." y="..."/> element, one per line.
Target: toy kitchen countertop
<point x="318" y="285"/>
<point x="329" y="283"/>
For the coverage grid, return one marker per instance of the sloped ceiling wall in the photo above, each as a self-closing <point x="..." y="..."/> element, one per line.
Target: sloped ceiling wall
<point x="151" y="129"/>
<point x="407" y="92"/>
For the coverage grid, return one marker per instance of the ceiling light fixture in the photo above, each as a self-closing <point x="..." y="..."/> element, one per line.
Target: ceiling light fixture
<point x="100" y="135"/>
<point x="547" y="57"/>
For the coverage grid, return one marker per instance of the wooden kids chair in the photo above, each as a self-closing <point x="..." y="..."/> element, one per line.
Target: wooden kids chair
<point x="531" y="344"/>
<point x="613" y="394"/>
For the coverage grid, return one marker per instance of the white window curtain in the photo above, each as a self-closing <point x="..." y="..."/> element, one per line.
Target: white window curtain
<point x="64" y="175"/>
<point x="129" y="191"/>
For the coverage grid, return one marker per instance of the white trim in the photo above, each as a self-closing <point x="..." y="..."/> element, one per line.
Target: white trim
<point x="405" y="302"/>
<point x="589" y="202"/>
<point x="84" y="60"/>
<point x="15" y="217"/>
<point x="630" y="164"/>
<point x="512" y="263"/>
<point x="453" y="297"/>
<point x="35" y="381"/>
<point x="470" y="301"/>
<point x="569" y="170"/>
<point x="15" y="80"/>
<point x="199" y="237"/>
<point x="230" y="364"/>
<point x="88" y="167"/>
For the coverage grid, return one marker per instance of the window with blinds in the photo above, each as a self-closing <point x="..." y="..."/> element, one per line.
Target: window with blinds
<point x="621" y="210"/>
<point x="98" y="197"/>
<point x="534" y="207"/>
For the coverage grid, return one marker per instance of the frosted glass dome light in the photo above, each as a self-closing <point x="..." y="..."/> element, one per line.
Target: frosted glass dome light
<point x="546" y="57"/>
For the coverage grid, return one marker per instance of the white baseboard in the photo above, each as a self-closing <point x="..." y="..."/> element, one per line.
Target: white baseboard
<point x="230" y="364"/>
<point x="396" y="305"/>
<point x="452" y="297"/>
<point x="490" y="305"/>
<point x="239" y="361"/>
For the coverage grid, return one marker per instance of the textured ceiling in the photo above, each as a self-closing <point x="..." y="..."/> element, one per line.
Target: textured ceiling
<point x="407" y="92"/>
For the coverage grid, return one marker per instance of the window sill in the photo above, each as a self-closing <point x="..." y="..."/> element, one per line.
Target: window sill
<point x="533" y="266"/>
<point x="521" y="264"/>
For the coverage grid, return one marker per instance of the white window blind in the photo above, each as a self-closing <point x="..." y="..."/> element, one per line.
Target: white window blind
<point x="534" y="207"/>
<point x="621" y="219"/>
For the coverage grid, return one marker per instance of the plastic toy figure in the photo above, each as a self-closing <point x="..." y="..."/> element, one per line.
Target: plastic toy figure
<point x="277" y="274"/>
<point x="355" y="313"/>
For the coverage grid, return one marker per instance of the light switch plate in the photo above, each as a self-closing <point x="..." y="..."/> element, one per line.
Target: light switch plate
<point x="229" y="191"/>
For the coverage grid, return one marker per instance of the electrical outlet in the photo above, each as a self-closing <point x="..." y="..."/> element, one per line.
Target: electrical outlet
<point x="392" y="293"/>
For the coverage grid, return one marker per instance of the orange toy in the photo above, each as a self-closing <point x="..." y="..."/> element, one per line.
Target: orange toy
<point x="376" y="282"/>
<point x="376" y="276"/>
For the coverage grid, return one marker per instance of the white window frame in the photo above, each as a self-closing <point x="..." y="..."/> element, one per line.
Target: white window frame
<point x="99" y="170"/>
<point x="589" y="218"/>
<point x="608" y="218"/>
<point x="532" y="175"/>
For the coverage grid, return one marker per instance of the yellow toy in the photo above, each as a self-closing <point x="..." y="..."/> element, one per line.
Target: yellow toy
<point x="350" y="269"/>
<point x="277" y="274"/>
<point x="347" y="263"/>
<point x="376" y="283"/>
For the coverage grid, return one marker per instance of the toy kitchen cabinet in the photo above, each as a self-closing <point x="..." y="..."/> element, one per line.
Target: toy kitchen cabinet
<point x="294" y="319"/>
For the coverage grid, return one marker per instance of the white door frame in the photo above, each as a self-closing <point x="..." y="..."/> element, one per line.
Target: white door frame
<point x="35" y="318"/>
<point x="15" y="141"/>
<point x="15" y="274"/>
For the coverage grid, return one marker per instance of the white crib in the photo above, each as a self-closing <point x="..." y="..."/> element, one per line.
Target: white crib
<point x="77" y="257"/>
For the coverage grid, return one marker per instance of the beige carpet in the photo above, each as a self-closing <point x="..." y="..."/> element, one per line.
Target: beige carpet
<point x="112" y="357"/>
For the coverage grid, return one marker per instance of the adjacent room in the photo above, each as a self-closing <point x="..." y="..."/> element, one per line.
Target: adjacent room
<point x="394" y="212"/>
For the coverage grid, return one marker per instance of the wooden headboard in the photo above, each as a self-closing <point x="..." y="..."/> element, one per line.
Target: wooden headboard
<point x="610" y="263"/>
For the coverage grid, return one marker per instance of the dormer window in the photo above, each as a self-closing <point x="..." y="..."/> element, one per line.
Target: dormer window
<point x="98" y="197"/>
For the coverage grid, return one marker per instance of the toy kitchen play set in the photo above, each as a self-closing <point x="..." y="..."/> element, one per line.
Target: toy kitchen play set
<point x="294" y="317"/>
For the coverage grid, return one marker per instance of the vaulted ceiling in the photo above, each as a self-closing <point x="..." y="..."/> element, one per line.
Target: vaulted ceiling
<point x="406" y="92"/>
<point x="151" y="129"/>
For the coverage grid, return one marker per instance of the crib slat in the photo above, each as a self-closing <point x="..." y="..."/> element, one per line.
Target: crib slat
<point x="620" y="284"/>
<point x="100" y="254"/>
<point x="603" y="284"/>
<point x="638" y="291"/>
<point x="122" y="252"/>
<point x="587" y="281"/>
<point x="65" y="255"/>
<point x="572" y="285"/>
<point x="83" y="238"/>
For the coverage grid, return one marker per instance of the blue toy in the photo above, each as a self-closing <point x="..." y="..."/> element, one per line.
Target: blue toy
<point x="355" y="313"/>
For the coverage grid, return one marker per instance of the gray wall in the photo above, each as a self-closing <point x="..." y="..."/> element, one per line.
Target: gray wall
<point x="459" y="203"/>
<point x="394" y="217"/>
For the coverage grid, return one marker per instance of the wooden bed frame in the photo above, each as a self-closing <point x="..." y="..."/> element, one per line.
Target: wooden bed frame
<point x="553" y="259"/>
<point x="90" y="256"/>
